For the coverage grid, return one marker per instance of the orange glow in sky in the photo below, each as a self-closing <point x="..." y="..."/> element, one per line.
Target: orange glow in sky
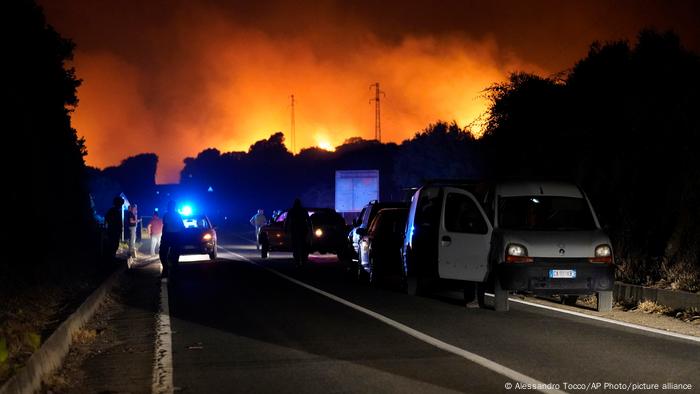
<point x="228" y="87"/>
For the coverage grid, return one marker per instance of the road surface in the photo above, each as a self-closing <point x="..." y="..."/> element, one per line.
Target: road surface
<point x="242" y="324"/>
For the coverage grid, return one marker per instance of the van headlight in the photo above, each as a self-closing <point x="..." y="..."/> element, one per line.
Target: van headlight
<point x="603" y="251"/>
<point x="516" y="253"/>
<point x="516" y="250"/>
<point x="318" y="233"/>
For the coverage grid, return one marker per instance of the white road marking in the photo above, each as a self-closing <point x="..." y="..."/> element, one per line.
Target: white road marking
<point x="604" y="319"/>
<point x="475" y="358"/>
<point x="163" y="362"/>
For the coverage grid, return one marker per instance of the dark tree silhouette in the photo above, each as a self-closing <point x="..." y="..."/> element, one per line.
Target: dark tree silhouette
<point x="48" y="195"/>
<point x="624" y="123"/>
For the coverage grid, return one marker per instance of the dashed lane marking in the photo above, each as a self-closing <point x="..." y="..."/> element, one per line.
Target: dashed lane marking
<point x="475" y="358"/>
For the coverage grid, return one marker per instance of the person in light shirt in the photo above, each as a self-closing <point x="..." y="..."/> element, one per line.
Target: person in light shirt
<point x="258" y="220"/>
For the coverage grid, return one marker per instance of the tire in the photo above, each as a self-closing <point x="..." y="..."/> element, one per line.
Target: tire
<point x="501" y="303"/>
<point x="605" y="301"/>
<point x="569" y="300"/>
<point x="213" y="255"/>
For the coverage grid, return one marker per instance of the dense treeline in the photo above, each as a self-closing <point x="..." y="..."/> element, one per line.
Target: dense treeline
<point x="623" y="123"/>
<point x="48" y="206"/>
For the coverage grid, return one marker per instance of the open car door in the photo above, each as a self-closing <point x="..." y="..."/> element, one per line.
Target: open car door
<point x="464" y="237"/>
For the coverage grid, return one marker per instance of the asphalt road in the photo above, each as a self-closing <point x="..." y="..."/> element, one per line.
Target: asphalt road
<point x="239" y="325"/>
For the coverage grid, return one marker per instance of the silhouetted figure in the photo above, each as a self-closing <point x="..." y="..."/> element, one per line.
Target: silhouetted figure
<point x="155" y="230"/>
<point x="132" y="220"/>
<point x="114" y="226"/>
<point x="258" y="220"/>
<point x="172" y="225"/>
<point x="298" y="227"/>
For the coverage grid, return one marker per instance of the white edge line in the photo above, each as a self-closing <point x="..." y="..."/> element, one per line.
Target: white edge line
<point x="475" y="358"/>
<point x="163" y="356"/>
<point x="607" y="320"/>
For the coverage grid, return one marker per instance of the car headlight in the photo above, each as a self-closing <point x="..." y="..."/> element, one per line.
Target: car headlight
<point x="603" y="251"/>
<point x="206" y="237"/>
<point x="318" y="232"/>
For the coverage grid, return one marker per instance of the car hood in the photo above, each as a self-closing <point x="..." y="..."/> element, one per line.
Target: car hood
<point x="557" y="243"/>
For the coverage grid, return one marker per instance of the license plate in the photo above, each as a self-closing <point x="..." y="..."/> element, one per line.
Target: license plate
<point x="562" y="273"/>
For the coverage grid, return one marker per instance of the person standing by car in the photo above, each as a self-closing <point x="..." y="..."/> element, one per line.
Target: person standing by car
<point x="298" y="226"/>
<point x="114" y="226"/>
<point x="258" y="220"/>
<point x="155" y="230"/>
<point x="172" y="225"/>
<point x="131" y="221"/>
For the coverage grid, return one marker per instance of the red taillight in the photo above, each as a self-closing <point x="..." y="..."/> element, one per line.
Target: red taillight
<point x="518" y="259"/>
<point x="601" y="259"/>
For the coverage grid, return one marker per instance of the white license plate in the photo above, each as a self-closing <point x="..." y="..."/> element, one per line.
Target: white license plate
<point x="562" y="273"/>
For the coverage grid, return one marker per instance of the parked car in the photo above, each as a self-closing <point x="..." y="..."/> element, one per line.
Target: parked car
<point x="361" y="224"/>
<point x="327" y="233"/>
<point x="380" y="247"/>
<point x="197" y="237"/>
<point x="542" y="237"/>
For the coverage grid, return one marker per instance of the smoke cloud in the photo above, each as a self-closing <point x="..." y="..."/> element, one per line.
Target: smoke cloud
<point x="175" y="77"/>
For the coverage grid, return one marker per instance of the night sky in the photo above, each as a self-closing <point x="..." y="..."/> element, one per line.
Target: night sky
<point x="176" y="77"/>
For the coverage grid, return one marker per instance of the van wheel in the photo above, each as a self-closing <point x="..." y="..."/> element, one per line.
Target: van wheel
<point x="501" y="303"/>
<point x="569" y="299"/>
<point x="605" y="301"/>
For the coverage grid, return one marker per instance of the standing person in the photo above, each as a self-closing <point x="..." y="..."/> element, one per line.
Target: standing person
<point x="155" y="230"/>
<point x="298" y="226"/>
<point x="115" y="227"/>
<point x="258" y="220"/>
<point x="172" y="225"/>
<point x="131" y="221"/>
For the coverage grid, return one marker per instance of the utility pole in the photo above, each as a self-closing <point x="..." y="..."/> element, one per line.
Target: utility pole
<point x="293" y="129"/>
<point x="377" y="119"/>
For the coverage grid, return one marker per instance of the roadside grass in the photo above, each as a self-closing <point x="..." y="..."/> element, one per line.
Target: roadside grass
<point x="32" y="310"/>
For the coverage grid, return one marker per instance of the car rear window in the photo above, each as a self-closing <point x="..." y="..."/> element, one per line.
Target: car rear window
<point x="547" y="213"/>
<point x="195" y="222"/>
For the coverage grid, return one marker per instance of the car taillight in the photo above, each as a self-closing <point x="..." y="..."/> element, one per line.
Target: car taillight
<point x="516" y="253"/>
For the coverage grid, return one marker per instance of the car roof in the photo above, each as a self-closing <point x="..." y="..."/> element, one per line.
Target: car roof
<point x="543" y="188"/>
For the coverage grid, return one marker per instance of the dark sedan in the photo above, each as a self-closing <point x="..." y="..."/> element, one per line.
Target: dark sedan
<point x="380" y="247"/>
<point x="197" y="237"/>
<point x="328" y="233"/>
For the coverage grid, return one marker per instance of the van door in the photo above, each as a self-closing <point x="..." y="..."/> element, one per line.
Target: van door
<point x="464" y="237"/>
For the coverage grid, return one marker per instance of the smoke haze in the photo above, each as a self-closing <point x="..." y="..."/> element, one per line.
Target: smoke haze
<point x="177" y="77"/>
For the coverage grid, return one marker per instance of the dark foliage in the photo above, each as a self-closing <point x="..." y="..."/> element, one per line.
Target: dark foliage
<point x="623" y="124"/>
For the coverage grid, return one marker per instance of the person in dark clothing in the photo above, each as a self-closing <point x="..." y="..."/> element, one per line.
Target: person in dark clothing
<point x="298" y="226"/>
<point x="114" y="227"/>
<point x="172" y="225"/>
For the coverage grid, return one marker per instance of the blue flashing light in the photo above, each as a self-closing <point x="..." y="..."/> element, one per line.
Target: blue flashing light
<point x="185" y="210"/>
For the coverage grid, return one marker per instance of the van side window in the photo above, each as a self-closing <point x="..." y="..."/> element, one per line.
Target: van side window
<point x="463" y="216"/>
<point x="428" y="210"/>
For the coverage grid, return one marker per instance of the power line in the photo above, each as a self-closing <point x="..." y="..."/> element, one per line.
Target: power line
<point x="377" y="118"/>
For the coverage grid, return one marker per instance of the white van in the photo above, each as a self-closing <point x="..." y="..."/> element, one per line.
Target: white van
<point x="539" y="237"/>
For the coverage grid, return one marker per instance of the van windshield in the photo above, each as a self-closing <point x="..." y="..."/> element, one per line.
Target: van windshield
<point x="545" y="213"/>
